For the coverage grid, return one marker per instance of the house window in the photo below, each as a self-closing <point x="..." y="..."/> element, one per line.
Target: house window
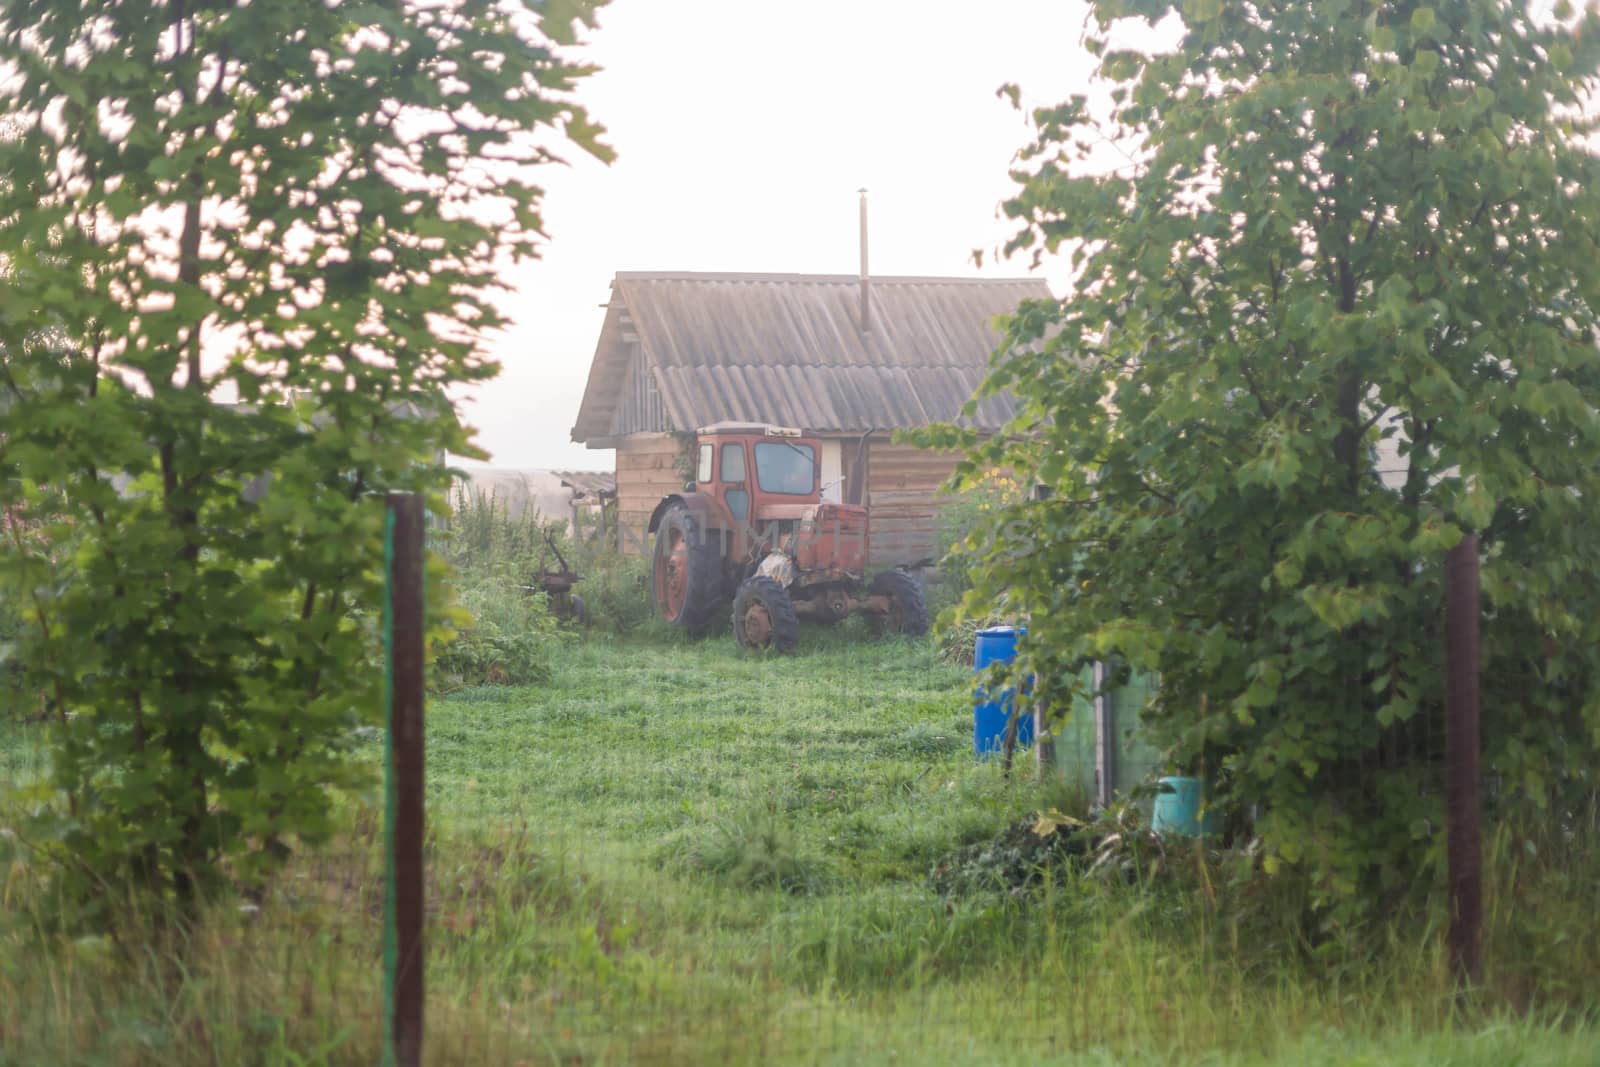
<point x="702" y="470"/>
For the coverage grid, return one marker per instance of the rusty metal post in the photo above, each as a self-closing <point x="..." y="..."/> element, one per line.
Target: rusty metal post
<point x="403" y="950"/>
<point x="1461" y="749"/>
<point x="1008" y="747"/>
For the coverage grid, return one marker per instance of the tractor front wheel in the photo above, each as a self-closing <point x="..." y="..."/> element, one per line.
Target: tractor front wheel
<point x="763" y="616"/>
<point x="908" y="608"/>
<point x="686" y="576"/>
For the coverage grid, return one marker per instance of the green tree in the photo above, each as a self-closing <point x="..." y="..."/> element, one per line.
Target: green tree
<point x="1333" y="305"/>
<point x="252" y="247"/>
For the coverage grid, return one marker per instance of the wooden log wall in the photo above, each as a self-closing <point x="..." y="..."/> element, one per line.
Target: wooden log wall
<point x="903" y="497"/>
<point x="648" y="468"/>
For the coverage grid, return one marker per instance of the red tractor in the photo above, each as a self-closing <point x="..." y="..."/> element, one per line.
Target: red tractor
<point x="753" y="526"/>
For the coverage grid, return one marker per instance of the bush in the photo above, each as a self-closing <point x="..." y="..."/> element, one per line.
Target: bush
<point x="15" y="697"/>
<point x="501" y="628"/>
<point x="961" y="533"/>
<point x="615" y="590"/>
<point x="18" y="699"/>
<point x="503" y="634"/>
<point x="962" y="528"/>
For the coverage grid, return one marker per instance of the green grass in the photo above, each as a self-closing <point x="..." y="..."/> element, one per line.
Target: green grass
<point x="679" y="853"/>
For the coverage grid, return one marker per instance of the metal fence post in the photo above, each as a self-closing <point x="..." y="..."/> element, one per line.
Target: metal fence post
<point x="1461" y="748"/>
<point x="404" y="545"/>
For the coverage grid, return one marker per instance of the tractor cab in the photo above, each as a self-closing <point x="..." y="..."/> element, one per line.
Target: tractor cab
<point x="752" y="524"/>
<point x="758" y="471"/>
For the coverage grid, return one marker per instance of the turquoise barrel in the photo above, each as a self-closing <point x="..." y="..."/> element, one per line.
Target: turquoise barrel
<point x="997" y="644"/>
<point x="1177" y="809"/>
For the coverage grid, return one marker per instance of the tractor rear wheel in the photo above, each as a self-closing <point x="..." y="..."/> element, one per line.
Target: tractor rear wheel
<point x="686" y="573"/>
<point x="908" y="608"/>
<point x="763" y="616"/>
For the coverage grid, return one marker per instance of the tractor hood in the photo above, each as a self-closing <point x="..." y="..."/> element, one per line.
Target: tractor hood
<point x="831" y="537"/>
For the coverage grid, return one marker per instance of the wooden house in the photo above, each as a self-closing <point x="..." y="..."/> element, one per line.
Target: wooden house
<point x="836" y="355"/>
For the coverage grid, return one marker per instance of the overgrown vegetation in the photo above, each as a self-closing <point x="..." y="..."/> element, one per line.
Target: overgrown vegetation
<point x="16" y="700"/>
<point x="1334" y="303"/>
<point x="250" y="250"/>
<point x="501" y="628"/>
<point x="964" y="528"/>
<point x="629" y="864"/>
<point x="506" y="628"/>
<point x="615" y="587"/>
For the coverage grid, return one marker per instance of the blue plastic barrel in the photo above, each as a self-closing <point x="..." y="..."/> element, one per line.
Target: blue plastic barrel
<point x="1177" y="809"/>
<point x="998" y="644"/>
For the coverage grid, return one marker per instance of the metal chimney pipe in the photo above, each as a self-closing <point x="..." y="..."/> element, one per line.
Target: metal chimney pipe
<point x="866" y="295"/>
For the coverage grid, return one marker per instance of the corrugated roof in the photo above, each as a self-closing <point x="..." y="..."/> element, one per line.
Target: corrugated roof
<point x="786" y="348"/>
<point x="589" y="483"/>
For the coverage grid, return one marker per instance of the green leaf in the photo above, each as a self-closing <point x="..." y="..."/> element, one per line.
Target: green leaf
<point x="1476" y="507"/>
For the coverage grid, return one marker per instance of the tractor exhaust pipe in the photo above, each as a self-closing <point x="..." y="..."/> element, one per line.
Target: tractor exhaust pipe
<point x="866" y="290"/>
<point x="858" y="472"/>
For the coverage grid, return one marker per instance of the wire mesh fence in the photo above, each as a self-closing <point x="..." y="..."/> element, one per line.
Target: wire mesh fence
<point x="667" y="851"/>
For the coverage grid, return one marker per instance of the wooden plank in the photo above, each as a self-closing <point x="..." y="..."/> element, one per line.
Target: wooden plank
<point x="912" y="463"/>
<point x="905" y="485"/>
<point x="881" y="447"/>
<point x="891" y="517"/>
<point x="638" y="483"/>
<point x="666" y="476"/>
<point x="647" y="463"/>
<point x="646" y="460"/>
<point x="642" y="443"/>
<point x="892" y="525"/>
<point x="901" y="546"/>
<point x="879" y="508"/>
<point x="658" y="481"/>
<point x="899" y="498"/>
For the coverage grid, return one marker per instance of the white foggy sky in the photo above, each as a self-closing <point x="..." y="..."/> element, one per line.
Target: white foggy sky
<point x="743" y="129"/>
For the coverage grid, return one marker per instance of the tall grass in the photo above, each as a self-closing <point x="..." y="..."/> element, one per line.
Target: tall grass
<point x="494" y="554"/>
<point x="678" y="853"/>
<point x="539" y="957"/>
<point x="481" y="534"/>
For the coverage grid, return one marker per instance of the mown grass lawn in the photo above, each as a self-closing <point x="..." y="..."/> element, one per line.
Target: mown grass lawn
<point x="680" y="853"/>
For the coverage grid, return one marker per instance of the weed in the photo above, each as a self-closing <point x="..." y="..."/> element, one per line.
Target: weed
<point x="508" y="636"/>
<point x="756" y="849"/>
